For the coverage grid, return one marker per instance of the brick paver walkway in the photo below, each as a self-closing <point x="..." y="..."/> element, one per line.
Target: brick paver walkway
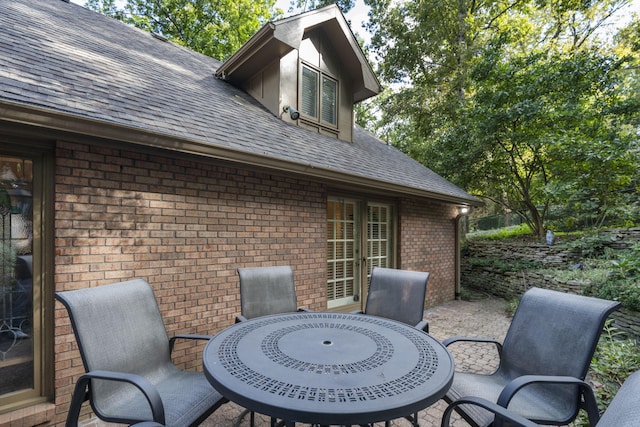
<point x="485" y="317"/>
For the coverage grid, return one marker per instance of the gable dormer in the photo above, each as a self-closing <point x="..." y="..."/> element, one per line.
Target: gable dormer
<point x="307" y="69"/>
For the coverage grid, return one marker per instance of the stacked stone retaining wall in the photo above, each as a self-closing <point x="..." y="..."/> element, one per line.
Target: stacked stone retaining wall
<point x="511" y="284"/>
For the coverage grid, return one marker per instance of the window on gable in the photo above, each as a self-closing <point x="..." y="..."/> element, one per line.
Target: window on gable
<point x="309" y="93"/>
<point x="329" y="96"/>
<point x="319" y="96"/>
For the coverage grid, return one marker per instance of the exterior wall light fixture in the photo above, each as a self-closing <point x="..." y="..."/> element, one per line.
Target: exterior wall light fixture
<point x="293" y="113"/>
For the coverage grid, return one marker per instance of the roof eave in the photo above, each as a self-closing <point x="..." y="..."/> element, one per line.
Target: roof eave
<point x="246" y="51"/>
<point x="71" y="125"/>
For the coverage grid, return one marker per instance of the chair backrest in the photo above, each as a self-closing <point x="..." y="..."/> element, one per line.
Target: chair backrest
<point x="554" y="333"/>
<point x="118" y="327"/>
<point x="624" y="409"/>
<point x="267" y="290"/>
<point x="397" y="294"/>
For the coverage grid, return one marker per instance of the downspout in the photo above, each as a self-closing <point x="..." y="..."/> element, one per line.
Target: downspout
<point x="463" y="211"/>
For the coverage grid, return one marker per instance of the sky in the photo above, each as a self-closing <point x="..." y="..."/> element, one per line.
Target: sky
<point x="358" y="15"/>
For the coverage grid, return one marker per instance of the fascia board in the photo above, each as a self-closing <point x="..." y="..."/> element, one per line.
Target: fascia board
<point x="79" y="129"/>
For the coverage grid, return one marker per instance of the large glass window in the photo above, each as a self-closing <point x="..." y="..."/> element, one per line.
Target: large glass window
<point x="16" y="278"/>
<point x="22" y="349"/>
<point x="319" y="93"/>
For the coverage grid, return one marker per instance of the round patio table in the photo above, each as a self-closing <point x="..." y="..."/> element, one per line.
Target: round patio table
<point x="328" y="368"/>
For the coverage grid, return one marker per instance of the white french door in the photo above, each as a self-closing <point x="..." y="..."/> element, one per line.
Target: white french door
<point x="354" y="228"/>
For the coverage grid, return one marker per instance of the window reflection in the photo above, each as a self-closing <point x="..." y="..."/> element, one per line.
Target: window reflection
<point x="16" y="281"/>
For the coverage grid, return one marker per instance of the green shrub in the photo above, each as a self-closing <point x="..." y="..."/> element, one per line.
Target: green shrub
<point x="590" y="245"/>
<point x="614" y="360"/>
<point x="627" y="263"/>
<point x="504" y="233"/>
<point x="627" y="292"/>
<point x="511" y="306"/>
<point x="622" y="279"/>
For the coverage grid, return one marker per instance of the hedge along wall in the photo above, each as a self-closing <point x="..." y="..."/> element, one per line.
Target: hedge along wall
<point x="511" y="284"/>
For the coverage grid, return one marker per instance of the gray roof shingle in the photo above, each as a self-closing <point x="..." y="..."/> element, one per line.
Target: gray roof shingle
<point x="67" y="61"/>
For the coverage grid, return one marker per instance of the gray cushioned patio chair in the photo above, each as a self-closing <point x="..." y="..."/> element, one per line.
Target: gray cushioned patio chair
<point x="549" y="345"/>
<point x="398" y="295"/>
<point x="126" y="353"/>
<point x="266" y="290"/>
<point x="623" y="411"/>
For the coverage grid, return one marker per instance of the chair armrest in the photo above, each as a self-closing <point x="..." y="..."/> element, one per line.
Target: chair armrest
<point x="80" y="393"/>
<point x="241" y="318"/>
<point x="147" y="424"/>
<point x="588" y="398"/>
<point x="423" y="325"/>
<point x="452" y="340"/>
<point x="502" y="413"/>
<point x="173" y="339"/>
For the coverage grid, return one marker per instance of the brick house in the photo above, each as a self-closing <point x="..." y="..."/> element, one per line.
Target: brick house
<point x="126" y="156"/>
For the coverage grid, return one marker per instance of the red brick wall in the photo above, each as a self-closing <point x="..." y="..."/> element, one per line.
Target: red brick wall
<point x="427" y="243"/>
<point x="185" y="227"/>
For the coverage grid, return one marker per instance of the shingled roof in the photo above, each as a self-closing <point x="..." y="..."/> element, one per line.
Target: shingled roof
<point x="76" y="72"/>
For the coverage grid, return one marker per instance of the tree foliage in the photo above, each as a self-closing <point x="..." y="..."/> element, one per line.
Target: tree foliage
<point x="297" y="6"/>
<point x="215" y="28"/>
<point x="519" y="101"/>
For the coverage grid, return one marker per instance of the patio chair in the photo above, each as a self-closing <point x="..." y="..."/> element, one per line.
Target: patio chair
<point x="266" y="290"/>
<point x="398" y="295"/>
<point x="623" y="411"/>
<point x="125" y="350"/>
<point x="549" y="345"/>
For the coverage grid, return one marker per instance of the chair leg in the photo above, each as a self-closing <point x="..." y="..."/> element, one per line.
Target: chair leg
<point x="413" y="419"/>
<point x="244" y="414"/>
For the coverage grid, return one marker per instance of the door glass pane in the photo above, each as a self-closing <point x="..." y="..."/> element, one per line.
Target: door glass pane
<point x="309" y="94"/>
<point x="16" y="283"/>
<point x="341" y="253"/>
<point x="378" y="236"/>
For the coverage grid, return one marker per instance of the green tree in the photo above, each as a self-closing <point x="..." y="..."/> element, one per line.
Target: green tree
<point x="106" y="7"/>
<point x="547" y="130"/>
<point x="297" y="6"/>
<point x="517" y="101"/>
<point x="216" y="28"/>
